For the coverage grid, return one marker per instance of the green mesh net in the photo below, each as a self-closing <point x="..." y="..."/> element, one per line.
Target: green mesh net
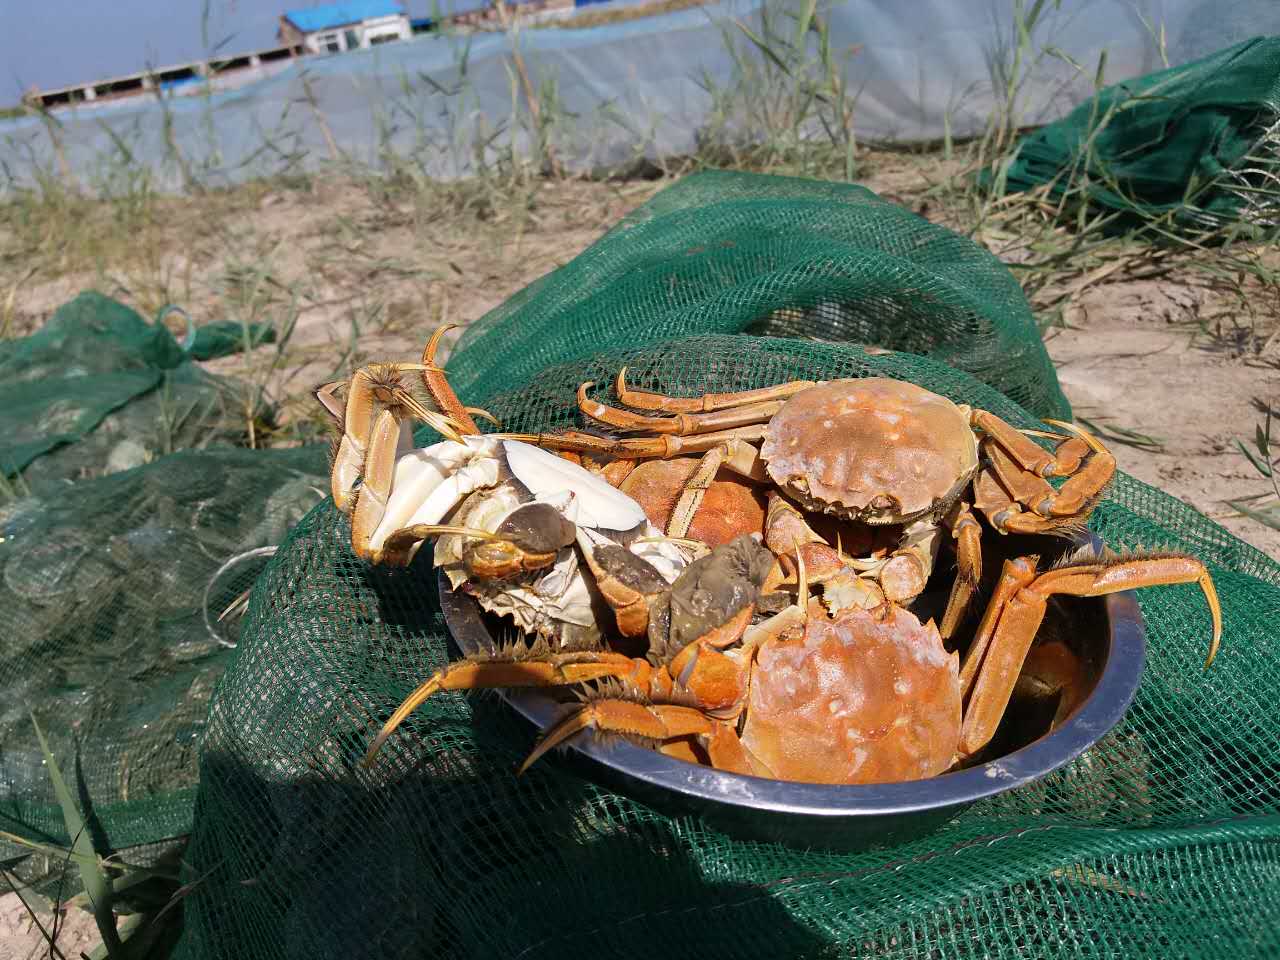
<point x="213" y="340"/>
<point x="121" y="500"/>
<point x="104" y="634"/>
<point x="99" y="390"/>
<point x="1197" y="142"/>
<point x="726" y="252"/>
<point x="1160" y="841"/>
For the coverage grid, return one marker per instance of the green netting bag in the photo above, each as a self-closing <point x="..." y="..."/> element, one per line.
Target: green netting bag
<point x="106" y="591"/>
<point x="1161" y="841"/>
<point x="213" y="340"/>
<point x="1197" y="141"/>
<point x="97" y="390"/>
<point x="723" y="252"/>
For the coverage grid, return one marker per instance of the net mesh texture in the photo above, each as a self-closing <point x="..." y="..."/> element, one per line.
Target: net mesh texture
<point x="1159" y="841"/>
<point x="121" y="499"/>
<point x="1199" y="143"/>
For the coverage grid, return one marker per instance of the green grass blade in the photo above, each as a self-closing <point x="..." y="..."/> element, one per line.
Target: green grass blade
<point x="1268" y="516"/>
<point x="1260" y="465"/>
<point x="764" y="47"/>
<point x="804" y="21"/>
<point x="95" y="881"/>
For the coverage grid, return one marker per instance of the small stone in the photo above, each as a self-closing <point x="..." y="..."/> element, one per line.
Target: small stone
<point x="126" y="455"/>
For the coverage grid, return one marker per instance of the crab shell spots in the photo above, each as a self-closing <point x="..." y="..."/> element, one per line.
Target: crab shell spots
<point x="598" y="504"/>
<point x="876" y="450"/>
<point x="856" y="700"/>
<point x="729" y="507"/>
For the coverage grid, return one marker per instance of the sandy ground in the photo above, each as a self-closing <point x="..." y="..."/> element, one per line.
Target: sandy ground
<point x="1130" y="360"/>
<point x="21" y="938"/>
<point x="366" y="276"/>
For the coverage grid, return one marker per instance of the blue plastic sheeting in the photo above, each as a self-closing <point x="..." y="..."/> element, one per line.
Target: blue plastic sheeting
<point x="331" y="15"/>
<point x="180" y="82"/>
<point x="624" y="91"/>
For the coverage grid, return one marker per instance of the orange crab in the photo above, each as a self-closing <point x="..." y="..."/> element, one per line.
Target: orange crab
<point x="884" y="453"/>
<point x="796" y="697"/>
<point x="868" y="696"/>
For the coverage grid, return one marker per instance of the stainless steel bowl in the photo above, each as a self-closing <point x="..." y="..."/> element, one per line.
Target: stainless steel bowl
<point x="825" y="816"/>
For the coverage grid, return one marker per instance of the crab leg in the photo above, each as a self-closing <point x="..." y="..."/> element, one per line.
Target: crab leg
<point x="545" y="670"/>
<point x="1018" y="485"/>
<point x="377" y="387"/>
<point x="433" y="378"/>
<point x="327" y="394"/>
<point x="993" y="501"/>
<point x="724" y="683"/>
<point x="643" y="400"/>
<point x="1017" y="619"/>
<point x="736" y="455"/>
<point x="613" y="472"/>
<point x="1029" y="455"/>
<point x="658" y="722"/>
<point x="637" y="448"/>
<point x="680" y="424"/>
<point x="1051" y="669"/>
<point x="1017" y="573"/>
<point x="967" y="534"/>
<point x="379" y="467"/>
<point x="356" y="418"/>
<point x="1035" y="492"/>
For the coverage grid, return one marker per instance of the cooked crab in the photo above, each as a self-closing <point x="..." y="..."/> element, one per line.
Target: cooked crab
<point x="508" y="515"/>
<point x="885" y="453"/>
<point x="869" y="696"/>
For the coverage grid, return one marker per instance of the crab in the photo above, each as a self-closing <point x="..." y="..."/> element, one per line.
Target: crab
<point x="886" y="454"/>
<point x="509" y="518"/>
<point x="868" y="696"/>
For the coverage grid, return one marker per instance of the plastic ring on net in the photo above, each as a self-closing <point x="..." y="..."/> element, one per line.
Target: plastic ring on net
<point x="189" y="340"/>
<point x="240" y="602"/>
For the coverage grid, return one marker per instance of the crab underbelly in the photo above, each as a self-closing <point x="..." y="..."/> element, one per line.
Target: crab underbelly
<point x="858" y="700"/>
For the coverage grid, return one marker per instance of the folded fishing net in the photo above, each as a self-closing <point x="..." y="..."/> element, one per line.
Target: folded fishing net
<point x="1196" y="146"/>
<point x="1160" y="841"/>
<point x="123" y="507"/>
<point x="98" y="390"/>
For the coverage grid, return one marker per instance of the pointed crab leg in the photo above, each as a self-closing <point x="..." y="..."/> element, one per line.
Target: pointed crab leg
<point x="356" y="417"/>
<point x="659" y="722"/>
<point x="1017" y="619"/>
<point x="531" y="670"/>
<point x="680" y="424"/>
<point x="376" y="388"/>
<point x="1029" y="455"/>
<point x="967" y="533"/>
<point x="664" y="447"/>
<point x="1021" y="476"/>
<point x="433" y="377"/>
<point x="643" y="400"/>
<point x="371" y="499"/>
<point x="664" y="722"/>
<point x="1017" y="573"/>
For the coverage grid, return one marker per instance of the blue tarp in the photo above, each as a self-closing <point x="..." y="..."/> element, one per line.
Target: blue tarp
<point x="332" y="15"/>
